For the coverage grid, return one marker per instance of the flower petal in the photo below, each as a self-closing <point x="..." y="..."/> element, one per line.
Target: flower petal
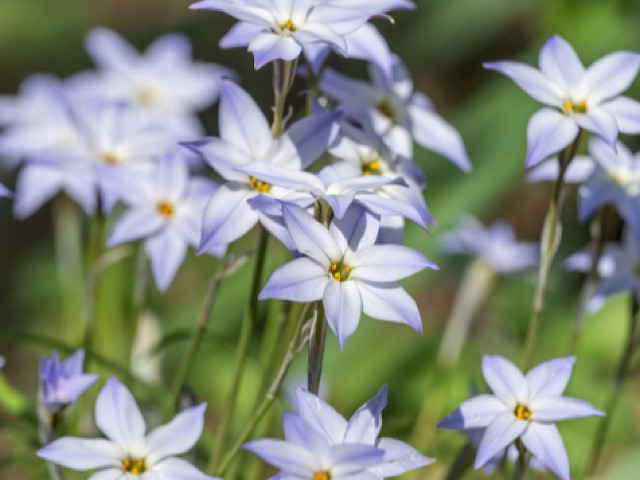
<point x="176" y="468"/>
<point x="626" y="111"/>
<point x="82" y="454"/>
<point x="290" y="458"/>
<point x="505" y="379"/>
<point x="531" y="80"/>
<point x="110" y="51"/>
<point x="267" y="47"/>
<point x="548" y="132"/>
<point x="388" y="301"/>
<point x="503" y="430"/>
<point x="546" y="445"/>
<point x="302" y="280"/>
<point x="167" y="252"/>
<point x="350" y="458"/>
<point x="387" y="263"/>
<point x="553" y="409"/>
<point x="477" y="412"/>
<point x="321" y="416"/>
<point x="141" y="222"/>
<point x="299" y="432"/>
<point x="559" y="62"/>
<point x="356" y="229"/>
<point x="343" y="306"/>
<point x="550" y="378"/>
<point x="398" y="458"/>
<point x="309" y="236"/>
<point x="109" y="474"/>
<point x="118" y="416"/>
<point x="601" y="122"/>
<point x="240" y="35"/>
<point x="364" y="426"/>
<point x="178" y="436"/>
<point x="610" y="76"/>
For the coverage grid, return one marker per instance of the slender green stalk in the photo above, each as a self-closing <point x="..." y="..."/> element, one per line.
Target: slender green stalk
<point x="248" y="324"/>
<point x="48" y="425"/>
<point x="549" y="243"/>
<point x="94" y="249"/>
<point x="225" y="269"/>
<point x="522" y="464"/>
<point x="295" y="347"/>
<point x="139" y="298"/>
<point x="633" y="339"/>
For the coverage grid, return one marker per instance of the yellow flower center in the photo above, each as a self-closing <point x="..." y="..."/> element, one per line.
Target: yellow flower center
<point x="340" y="271"/>
<point x="321" y="476"/>
<point x="259" y="186"/>
<point x="110" y="159"/>
<point x="387" y="110"/>
<point x="166" y="209"/>
<point x="134" y="466"/>
<point x="288" y="25"/>
<point x="577" y="107"/>
<point x="371" y="168"/>
<point x="522" y="412"/>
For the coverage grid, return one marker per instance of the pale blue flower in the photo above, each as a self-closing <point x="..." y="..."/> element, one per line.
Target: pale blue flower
<point x="525" y="407"/>
<point x="496" y="246"/>
<point x="279" y="29"/>
<point x="246" y="138"/>
<point x="62" y="383"/>
<point x="580" y="98"/>
<point x="165" y="209"/>
<point x="395" y="112"/>
<point x="618" y="269"/>
<point x="128" y="452"/>
<point x="578" y="171"/>
<point x="320" y="444"/>
<point x="5" y="192"/>
<point x="344" y="268"/>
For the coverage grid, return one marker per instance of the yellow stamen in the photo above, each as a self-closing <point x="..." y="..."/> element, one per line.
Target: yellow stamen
<point x="259" y="186"/>
<point x="134" y="466"/>
<point x="287" y="26"/>
<point x="371" y="168"/>
<point x="339" y="271"/>
<point x="522" y="412"/>
<point x="110" y="159"/>
<point x="385" y="109"/>
<point x="321" y="476"/>
<point x="577" y="107"/>
<point x="166" y="209"/>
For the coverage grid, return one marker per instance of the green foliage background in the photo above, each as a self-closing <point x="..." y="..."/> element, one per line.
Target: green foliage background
<point x="444" y="44"/>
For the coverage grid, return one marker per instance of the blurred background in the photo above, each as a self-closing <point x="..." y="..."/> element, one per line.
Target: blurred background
<point x="444" y="44"/>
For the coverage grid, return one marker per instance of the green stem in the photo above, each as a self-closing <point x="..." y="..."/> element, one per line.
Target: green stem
<point x="248" y="324"/>
<point x="139" y="298"/>
<point x="316" y="350"/>
<point x="295" y="347"/>
<point x="549" y="243"/>
<point x="283" y="76"/>
<point x="522" y="464"/>
<point x="94" y="249"/>
<point x="622" y="371"/>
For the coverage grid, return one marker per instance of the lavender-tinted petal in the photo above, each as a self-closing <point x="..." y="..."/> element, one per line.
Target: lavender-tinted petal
<point x="227" y="216"/>
<point x="626" y="111"/>
<point x="222" y="156"/>
<point x="171" y="176"/>
<point x="313" y="135"/>
<point x="274" y="174"/>
<point x="399" y="458"/>
<point x="267" y="47"/>
<point x="71" y="389"/>
<point x="240" y="35"/>
<point x="559" y="62"/>
<point x="299" y="432"/>
<point x="531" y="80"/>
<point x="477" y="412"/>
<point x="340" y="20"/>
<point x="343" y="306"/>
<point x="378" y="7"/>
<point x="387" y="263"/>
<point x="118" y="416"/>
<point x="245" y="13"/>
<point x="353" y="458"/>
<point x="579" y="170"/>
<point x="602" y="123"/>
<point x="548" y="132"/>
<point x="177" y="468"/>
<point x="355" y="229"/>
<point x="391" y="230"/>
<point x="301" y="280"/>
<point x="354" y="93"/>
<point x="82" y="454"/>
<point x="73" y="364"/>
<point x="365" y="424"/>
<point x="290" y="458"/>
<point x="550" y="378"/>
<point x="504" y="378"/>
<point x="135" y="224"/>
<point x="178" y="436"/>
<point x="275" y="225"/>
<point x="109" y="50"/>
<point x="114" y="473"/>
<point x="242" y="123"/>
<point x="546" y="445"/>
<point x="309" y="236"/>
<point x="366" y="43"/>
<point x="166" y="252"/>
<point x="36" y="185"/>
<point x="171" y="50"/>
<point x="629" y="210"/>
<point x="434" y="133"/>
<point x="388" y="301"/>
<point x="597" y="192"/>
<point x="321" y="416"/>
<point x="610" y="76"/>
<point x="503" y="430"/>
<point x="554" y="408"/>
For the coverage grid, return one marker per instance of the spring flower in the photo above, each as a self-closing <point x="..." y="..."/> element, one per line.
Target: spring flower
<point x="321" y="444"/>
<point x="344" y="268"/>
<point x="618" y="269"/>
<point x="164" y="82"/>
<point x="2" y="361"/>
<point x="166" y="209"/>
<point x="4" y="192"/>
<point x="496" y="245"/>
<point x="127" y="452"/>
<point x="61" y="383"/>
<point x="396" y="112"/>
<point x="579" y="98"/>
<point x="525" y="407"/>
<point x="578" y="171"/>
<point x="246" y="138"/>
<point x="279" y="30"/>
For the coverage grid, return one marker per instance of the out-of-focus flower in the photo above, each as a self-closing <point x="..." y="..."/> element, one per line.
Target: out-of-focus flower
<point x="61" y="383"/>
<point x="578" y="171"/>
<point x="246" y="138"/>
<point x="618" y="270"/>
<point x="395" y="112"/>
<point x="279" y="30"/>
<point x="128" y="452"/>
<point x="496" y="245"/>
<point x="5" y="192"/>
<point x="525" y="407"/>
<point x="321" y="444"/>
<point x="164" y="82"/>
<point x="344" y="268"/>
<point x="580" y="98"/>
<point x="166" y="209"/>
<point x="2" y="361"/>
<point x="614" y="181"/>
